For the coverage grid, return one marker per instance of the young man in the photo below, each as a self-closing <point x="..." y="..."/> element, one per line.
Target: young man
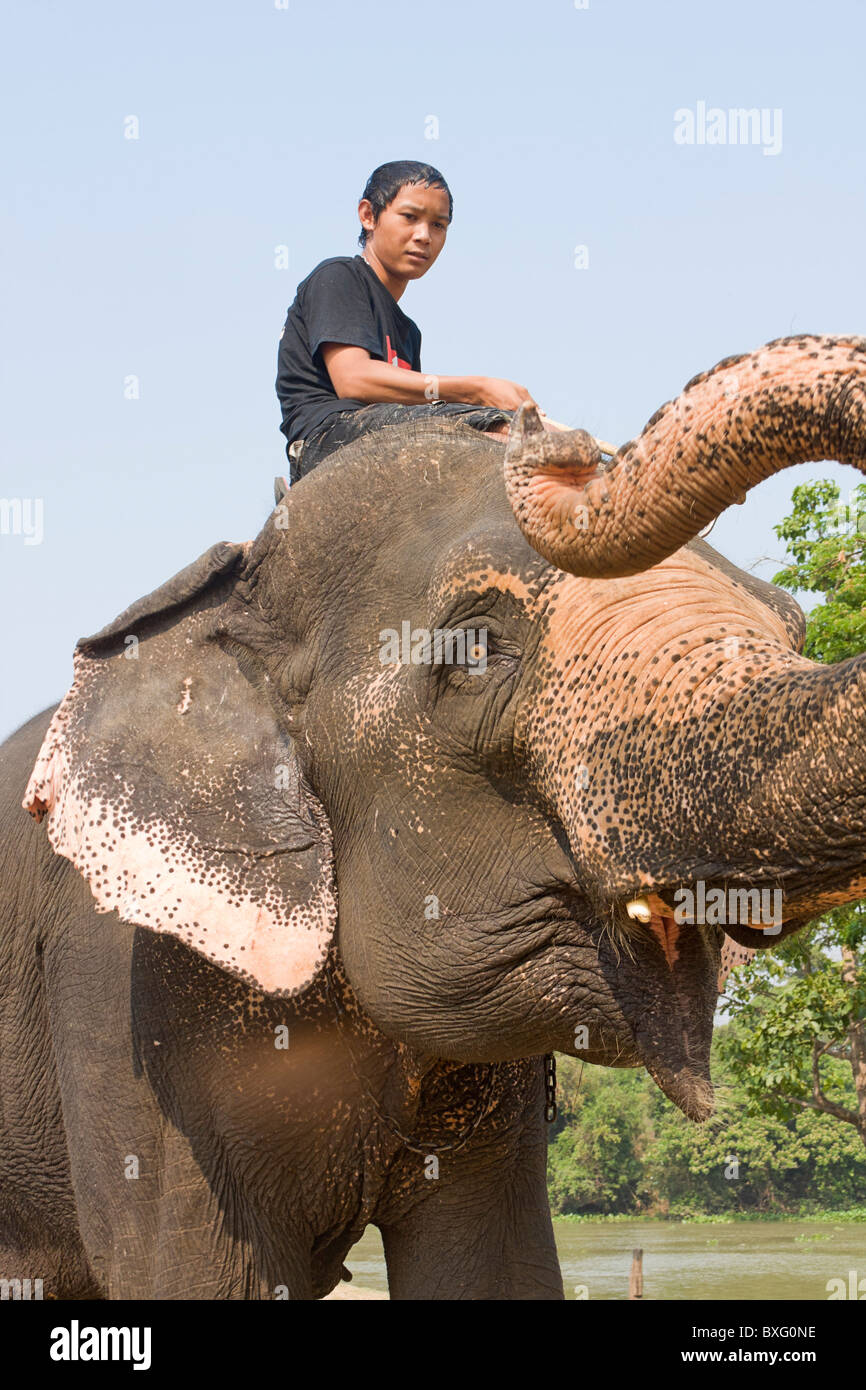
<point x="349" y="358"/>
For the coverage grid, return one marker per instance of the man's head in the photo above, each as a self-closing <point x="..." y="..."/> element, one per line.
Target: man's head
<point x="405" y="211"/>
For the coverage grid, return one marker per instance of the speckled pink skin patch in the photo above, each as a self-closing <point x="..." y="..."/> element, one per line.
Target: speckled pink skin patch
<point x="256" y="894"/>
<point x="732" y="956"/>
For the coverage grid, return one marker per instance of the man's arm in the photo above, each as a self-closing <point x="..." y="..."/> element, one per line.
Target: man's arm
<point x="355" y="375"/>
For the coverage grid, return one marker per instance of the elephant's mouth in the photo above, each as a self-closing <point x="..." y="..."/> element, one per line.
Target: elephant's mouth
<point x="673" y="1032"/>
<point x="661" y="987"/>
<point x="718" y="902"/>
<point x="757" y="912"/>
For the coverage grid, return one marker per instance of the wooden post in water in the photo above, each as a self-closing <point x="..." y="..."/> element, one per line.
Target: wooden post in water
<point x="635" y="1279"/>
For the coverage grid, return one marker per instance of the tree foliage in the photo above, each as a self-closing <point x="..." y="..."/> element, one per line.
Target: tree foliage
<point x="620" y="1147"/>
<point x="801" y="1014"/>
<point x="595" y="1160"/>
<point x="826" y="554"/>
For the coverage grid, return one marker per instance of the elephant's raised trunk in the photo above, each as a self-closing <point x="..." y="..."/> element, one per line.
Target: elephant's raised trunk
<point x="793" y="401"/>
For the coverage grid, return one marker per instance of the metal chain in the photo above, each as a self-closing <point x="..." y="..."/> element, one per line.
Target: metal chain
<point x="550" y="1088"/>
<point x="390" y="1124"/>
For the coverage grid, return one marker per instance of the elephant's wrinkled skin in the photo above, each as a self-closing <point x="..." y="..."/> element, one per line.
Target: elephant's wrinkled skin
<point x="234" y="759"/>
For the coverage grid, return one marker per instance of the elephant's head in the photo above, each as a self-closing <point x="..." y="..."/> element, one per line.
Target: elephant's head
<point x="271" y="733"/>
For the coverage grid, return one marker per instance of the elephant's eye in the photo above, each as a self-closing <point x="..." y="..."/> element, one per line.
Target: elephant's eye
<point x="478" y="658"/>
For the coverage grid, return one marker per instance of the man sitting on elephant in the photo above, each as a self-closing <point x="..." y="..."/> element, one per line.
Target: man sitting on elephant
<point x="302" y="925"/>
<point x="345" y="330"/>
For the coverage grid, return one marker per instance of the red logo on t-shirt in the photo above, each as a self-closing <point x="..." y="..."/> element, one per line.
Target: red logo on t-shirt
<point x="393" y="359"/>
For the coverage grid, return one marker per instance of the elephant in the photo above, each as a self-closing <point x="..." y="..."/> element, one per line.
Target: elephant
<point x="306" y="919"/>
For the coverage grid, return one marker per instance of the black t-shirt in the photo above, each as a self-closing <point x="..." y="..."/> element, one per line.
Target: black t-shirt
<point x="341" y="301"/>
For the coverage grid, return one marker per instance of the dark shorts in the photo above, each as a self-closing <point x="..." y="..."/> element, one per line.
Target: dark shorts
<point x="345" y="425"/>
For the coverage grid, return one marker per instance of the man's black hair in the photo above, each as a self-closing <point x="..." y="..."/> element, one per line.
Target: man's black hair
<point x="385" y="183"/>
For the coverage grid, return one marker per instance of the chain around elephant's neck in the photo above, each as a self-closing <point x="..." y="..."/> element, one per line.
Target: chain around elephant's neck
<point x="390" y="1124"/>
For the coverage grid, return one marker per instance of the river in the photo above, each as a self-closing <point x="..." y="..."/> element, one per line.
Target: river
<point x="740" y="1260"/>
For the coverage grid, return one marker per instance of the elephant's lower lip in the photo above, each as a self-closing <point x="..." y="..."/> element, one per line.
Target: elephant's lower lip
<point x="671" y="1022"/>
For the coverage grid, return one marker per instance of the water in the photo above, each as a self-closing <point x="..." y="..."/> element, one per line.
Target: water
<point x="738" y="1261"/>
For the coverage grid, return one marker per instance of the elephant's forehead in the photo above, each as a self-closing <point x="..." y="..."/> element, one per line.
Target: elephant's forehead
<point x="685" y="585"/>
<point x="683" y="593"/>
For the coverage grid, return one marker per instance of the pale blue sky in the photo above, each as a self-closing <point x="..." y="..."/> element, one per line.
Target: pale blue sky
<point x="259" y="126"/>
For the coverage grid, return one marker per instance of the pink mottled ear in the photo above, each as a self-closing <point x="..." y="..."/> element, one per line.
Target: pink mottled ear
<point x="170" y="785"/>
<point x="732" y="956"/>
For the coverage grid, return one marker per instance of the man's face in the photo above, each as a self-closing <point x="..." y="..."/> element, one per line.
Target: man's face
<point x="410" y="231"/>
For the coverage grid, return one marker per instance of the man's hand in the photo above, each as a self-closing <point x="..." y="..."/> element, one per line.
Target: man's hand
<point x="502" y="395"/>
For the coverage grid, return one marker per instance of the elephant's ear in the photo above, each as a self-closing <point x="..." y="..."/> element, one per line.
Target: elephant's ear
<point x="170" y="784"/>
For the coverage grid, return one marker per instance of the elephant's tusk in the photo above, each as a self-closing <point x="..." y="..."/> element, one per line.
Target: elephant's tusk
<point x="639" y="910"/>
<point x="605" y="448"/>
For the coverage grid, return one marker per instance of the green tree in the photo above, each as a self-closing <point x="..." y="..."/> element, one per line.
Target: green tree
<point x="800" y="1043"/>
<point x="746" y="1157"/>
<point x="595" y="1154"/>
<point x="826" y="554"/>
<point x="620" y="1146"/>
